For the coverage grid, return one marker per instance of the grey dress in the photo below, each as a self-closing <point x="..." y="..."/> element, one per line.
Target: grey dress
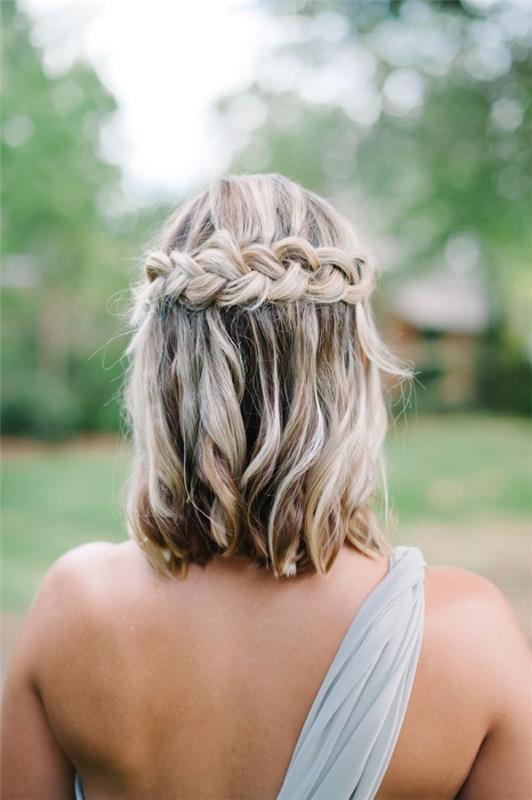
<point x="350" y="733"/>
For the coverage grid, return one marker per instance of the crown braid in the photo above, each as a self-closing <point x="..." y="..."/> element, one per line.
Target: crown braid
<point x="223" y="273"/>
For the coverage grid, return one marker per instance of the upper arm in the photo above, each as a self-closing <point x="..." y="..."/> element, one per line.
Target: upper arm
<point x="503" y="765"/>
<point x="34" y="765"/>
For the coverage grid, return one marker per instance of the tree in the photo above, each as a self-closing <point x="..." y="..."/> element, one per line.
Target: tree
<point x="62" y="258"/>
<point x="418" y="117"/>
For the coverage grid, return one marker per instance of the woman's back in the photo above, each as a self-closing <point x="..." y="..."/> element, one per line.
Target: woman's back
<point x="256" y="404"/>
<point x="200" y="688"/>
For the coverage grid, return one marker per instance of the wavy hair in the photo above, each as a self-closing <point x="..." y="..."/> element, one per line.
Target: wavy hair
<point x="254" y="389"/>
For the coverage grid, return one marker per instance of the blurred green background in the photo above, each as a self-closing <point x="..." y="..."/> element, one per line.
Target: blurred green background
<point x="415" y="119"/>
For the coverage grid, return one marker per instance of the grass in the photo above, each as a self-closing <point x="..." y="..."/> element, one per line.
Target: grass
<point x="441" y="469"/>
<point x="461" y="468"/>
<point x="54" y="499"/>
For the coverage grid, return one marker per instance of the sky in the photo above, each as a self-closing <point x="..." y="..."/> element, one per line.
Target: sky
<point x="166" y="63"/>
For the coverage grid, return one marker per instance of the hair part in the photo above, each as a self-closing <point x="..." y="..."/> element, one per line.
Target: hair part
<point x="255" y="384"/>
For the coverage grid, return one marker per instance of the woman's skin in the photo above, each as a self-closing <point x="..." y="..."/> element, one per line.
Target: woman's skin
<point x="197" y="689"/>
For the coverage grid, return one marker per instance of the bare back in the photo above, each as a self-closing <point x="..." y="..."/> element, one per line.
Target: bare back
<point x="199" y="688"/>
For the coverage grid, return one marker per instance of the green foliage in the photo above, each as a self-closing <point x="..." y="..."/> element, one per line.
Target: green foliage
<point x="327" y="108"/>
<point x="62" y="255"/>
<point x="417" y="116"/>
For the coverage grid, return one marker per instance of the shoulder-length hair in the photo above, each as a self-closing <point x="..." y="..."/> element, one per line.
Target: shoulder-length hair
<point x="254" y="389"/>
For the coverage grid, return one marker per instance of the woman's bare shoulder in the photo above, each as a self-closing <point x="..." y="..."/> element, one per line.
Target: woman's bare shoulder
<point x="80" y="575"/>
<point x="472" y="628"/>
<point x="464" y="597"/>
<point x="469" y="605"/>
<point x="93" y="571"/>
<point x="78" y="595"/>
<point x="477" y="651"/>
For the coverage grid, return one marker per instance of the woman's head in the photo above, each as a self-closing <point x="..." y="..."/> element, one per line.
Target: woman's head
<point x="254" y="389"/>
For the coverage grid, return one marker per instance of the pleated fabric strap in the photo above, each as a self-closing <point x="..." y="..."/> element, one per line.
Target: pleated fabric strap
<point x="78" y="789"/>
<point x="349" y="736"/>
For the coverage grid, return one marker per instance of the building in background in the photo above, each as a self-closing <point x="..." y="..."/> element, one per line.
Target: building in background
<point x="439" y="322"/>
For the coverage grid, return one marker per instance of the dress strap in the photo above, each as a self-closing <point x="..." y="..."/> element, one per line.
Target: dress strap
<point x="350" y="733"/>
<point x="78" y="789"/>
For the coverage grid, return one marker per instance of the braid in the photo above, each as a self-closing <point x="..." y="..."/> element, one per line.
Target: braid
<point x="223" y="273"/>
<point x="256" y="433"/>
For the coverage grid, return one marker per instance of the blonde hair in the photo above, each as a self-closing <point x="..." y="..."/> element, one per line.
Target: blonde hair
<point x="254" y="388"/>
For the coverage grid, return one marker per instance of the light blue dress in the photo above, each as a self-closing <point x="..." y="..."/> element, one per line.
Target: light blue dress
<point x="350" y="733"/>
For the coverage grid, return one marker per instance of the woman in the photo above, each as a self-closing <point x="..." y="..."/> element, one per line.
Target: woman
<point x="257" y="637"/>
